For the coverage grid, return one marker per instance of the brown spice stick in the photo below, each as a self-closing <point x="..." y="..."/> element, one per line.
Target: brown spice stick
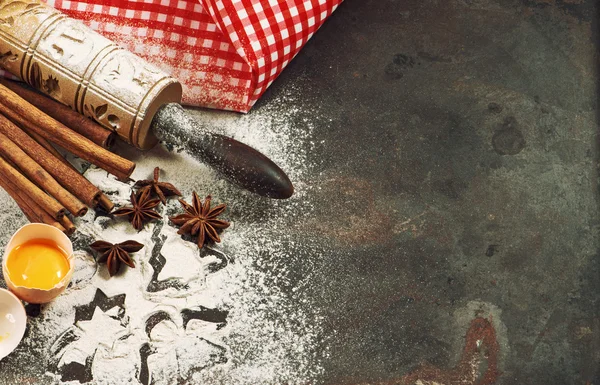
<point x="39" y="176"/>
<point x="41" y="140"/>
<point x="27" y="127"/>
<point x="105" y="203"/>
<point x="70" y="118"/>
<point x="66" y="176"/>
<point x="41" y="216"/>
<point x="32" y="211"/>
<point x="21" y="183"/>
<point x="68" y="225"/>
<point x="48" y="146"/>
<point x="51" y="149"/>
<point x="58" y="133"/>
<point x="44" y="217"/>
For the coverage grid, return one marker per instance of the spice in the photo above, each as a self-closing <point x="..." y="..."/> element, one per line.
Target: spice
<point x="201" y="219"/>
<point x="162" y="189"/>
<point x="65" y="175"/>
<point x="56" y="132"/>
<point x="142" y="209"/>
<point x="21" y="183"/>
<point x="115" y="255"/>
<point x="32" y="210"/>
<point x="272" y="335"/>
<point x="38" y="175"/>
<point x="70" y="118"/>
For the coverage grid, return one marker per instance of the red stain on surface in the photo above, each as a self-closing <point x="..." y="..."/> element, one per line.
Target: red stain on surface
<point x="481" y="346"/>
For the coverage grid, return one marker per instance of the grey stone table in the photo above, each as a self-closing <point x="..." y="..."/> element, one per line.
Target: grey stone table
<point x="454" y="191"/>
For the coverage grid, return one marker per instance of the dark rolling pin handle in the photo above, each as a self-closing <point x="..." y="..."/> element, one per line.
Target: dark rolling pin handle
<point x="239" y="163"/>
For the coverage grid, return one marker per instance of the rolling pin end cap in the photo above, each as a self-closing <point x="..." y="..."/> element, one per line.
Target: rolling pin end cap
<point x="248" y="168"/>
<point x="280" y="188"/>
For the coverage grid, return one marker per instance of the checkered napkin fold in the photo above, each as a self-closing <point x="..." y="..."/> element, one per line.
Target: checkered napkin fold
<point x="226" y="53"/>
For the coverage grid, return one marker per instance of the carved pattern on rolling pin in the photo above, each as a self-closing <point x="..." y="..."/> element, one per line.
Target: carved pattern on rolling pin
<point x="6" y="57"/>
<point x="49" y="85"/>
<point x="10" y="11"/>
<point x="82" y="69"/>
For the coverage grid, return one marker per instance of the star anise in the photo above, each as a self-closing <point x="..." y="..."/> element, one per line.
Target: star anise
<point x="115" y="255"/>
<point x="162" y="189"/>
<point x="201" y="219"/>
<point x="141" y="211"/>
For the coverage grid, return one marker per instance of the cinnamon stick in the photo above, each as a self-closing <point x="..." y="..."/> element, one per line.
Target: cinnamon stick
<point x="51" y="149"/>
<point x="58" y="133"/>
<point x="70" y="118"/>
<point x="32" y="211"/>
<point x="66" y="176"/>
<point x="31" y="214"/>
<point x="105" y="203"/>
<point x="39" y="217"/>
<point x="68" y="225"/>
<point x="41" y="140"/>
<point x="41" y="177"/>
<point x="21" y="183"/>
<point x="27" y="127"/>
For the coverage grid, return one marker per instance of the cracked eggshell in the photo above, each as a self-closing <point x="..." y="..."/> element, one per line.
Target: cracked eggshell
<point x="38" y="231"/>
<point x="12" y="322"/>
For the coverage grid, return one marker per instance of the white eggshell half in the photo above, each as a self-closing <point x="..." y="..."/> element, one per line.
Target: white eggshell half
<point x="12" y="322"/>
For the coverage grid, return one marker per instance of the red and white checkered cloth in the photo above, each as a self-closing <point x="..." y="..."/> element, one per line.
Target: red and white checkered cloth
<point x="226" y="53"/>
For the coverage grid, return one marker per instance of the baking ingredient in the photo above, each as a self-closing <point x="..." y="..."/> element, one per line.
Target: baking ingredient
<point x="38" y="263"/>
<point x="67" y="176"/>
<point x="161" y="189"/>
<point x="19" y="110"/>
<point x="32" y="292"/>
<point x="238" y="312"/>
<point x="39" y="176"/>
<point x="141" y="211"/>
<point x="64" y="114"/>
<point x="67" y="225"/>
<point x="22" y="184"/>
<point x="201" y="219"/>
<point x="115" y="255"/>
<point x="30" y="208"/>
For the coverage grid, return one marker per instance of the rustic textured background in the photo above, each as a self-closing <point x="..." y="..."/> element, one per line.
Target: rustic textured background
<point x="459" y="178"/>
<point x="456" y="188"/>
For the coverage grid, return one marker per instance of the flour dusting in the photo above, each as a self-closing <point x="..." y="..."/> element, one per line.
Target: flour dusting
<point x="232" y="313"/>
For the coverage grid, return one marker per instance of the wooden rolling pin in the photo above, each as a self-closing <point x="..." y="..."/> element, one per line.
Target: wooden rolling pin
<point x="78" y="67"/>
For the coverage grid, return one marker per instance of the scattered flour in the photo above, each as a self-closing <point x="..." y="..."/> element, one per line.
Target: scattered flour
<point x="249" y="322"/>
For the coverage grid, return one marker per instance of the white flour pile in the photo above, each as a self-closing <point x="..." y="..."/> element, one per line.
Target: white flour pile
<point x="271" y="332"/>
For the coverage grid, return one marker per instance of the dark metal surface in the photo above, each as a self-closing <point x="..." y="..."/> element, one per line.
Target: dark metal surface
<point x="455" y="188"/>
<point x="458" y="183"/>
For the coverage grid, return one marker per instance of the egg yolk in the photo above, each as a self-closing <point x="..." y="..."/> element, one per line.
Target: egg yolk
<point x="37" y="264"/>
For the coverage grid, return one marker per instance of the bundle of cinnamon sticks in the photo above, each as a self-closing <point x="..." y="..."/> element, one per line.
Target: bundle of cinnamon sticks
<point x="41" y="181"/>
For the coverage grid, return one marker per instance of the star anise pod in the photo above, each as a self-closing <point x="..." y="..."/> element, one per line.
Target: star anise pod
<point x="162" y="189"/>
<point x="201" y="219"/>
<point x="141" y="211"/>
<point x="115" y="255"/>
